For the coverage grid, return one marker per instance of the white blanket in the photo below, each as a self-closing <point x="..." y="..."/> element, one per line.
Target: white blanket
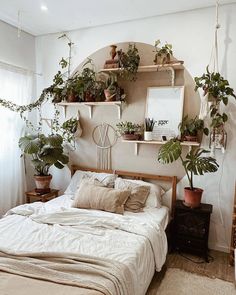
<point x="139" y="243"/>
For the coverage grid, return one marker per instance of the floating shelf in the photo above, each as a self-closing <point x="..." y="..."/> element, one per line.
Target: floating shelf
<point x="178" y="65"/>
<point x="189" y="144"/>
<point x="90" y="105"/>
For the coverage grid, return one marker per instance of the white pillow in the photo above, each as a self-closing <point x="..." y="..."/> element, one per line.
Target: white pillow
<point x="154" y="197"/>
<point x="105" y="178"/>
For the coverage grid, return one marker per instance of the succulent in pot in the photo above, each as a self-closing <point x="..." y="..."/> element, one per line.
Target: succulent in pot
<point x="45" y="151"/>
<point x="193" y="163"/>
<point x="190" y="128"/>
<point x="129" y="130"/>
<point x="149" y="125"/>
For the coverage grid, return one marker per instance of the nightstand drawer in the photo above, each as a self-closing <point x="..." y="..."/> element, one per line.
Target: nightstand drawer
<point x="194" y="244"/>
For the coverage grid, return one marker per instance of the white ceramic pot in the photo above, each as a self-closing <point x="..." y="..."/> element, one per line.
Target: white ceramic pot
<point x="147" y="135"/>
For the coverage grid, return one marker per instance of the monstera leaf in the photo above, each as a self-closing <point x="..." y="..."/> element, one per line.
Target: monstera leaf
<point x="169" y="152"/>
<point x="199" y="165"/>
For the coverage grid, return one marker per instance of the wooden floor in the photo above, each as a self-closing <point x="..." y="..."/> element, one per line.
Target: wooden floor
<point x="218" y="267"/>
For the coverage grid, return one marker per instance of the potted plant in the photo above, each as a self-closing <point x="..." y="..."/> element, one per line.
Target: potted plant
<point x="193" y="163"/>
<point x="129" y="62"/>
<point x="163" y="54"/>
<point x="189" y="128"/>
<point x="45" y="151"/>
<point x="129" y="130"/>
<point x="149" y="125"/>
<point x="111" y="87"/>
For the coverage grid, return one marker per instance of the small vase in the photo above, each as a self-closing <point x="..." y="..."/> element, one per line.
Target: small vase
<point x="148" y="135"/>
<point x="113" y="51"/>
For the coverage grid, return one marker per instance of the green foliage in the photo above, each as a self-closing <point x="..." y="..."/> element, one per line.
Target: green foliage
<point x="194" y="163"/>
<point x="45" y="151"/>
<point x="149" y="124"/>
<point x="190" y="127"/>
<point x="165" y="52"/>
<point x="129" y="62"/>
<point x="69" y="128"/>
<point x="128" y="128"/>
<point x="218" y="89"/>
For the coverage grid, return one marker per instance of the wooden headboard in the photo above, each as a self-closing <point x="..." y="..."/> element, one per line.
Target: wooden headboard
<point x="136" y="175"/>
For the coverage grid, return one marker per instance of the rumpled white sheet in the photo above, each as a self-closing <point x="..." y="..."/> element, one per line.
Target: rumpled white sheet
<point x="136" y="239"/>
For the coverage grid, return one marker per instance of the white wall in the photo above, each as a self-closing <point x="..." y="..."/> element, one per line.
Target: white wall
<point x="191" y="34"/>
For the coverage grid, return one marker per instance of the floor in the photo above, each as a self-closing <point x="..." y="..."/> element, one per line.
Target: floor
<point x="218" y="267"/>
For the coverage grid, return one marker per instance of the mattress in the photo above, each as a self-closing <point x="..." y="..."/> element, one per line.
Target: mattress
<point x="142" y="253"/>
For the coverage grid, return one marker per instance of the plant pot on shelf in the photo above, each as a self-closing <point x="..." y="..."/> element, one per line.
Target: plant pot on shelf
<point x="130" y="136"/>
<point x="110" y="95"/>
<point x="192" y="198"/>
<point x="190" y="138"/>
<point x="148" y="135"/>
<point x="161" y="59"/>
<point x="42" y="183"/>
<point x="88" y="96"/>
<point x="71" y="97"/>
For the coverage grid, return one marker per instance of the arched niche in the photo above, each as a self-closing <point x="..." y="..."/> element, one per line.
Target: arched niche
<point x="123" y="156"/>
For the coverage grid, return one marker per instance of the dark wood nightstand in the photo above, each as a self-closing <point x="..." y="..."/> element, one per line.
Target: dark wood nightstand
<point x="190" y="229"/>
<point x="41" y="197"/>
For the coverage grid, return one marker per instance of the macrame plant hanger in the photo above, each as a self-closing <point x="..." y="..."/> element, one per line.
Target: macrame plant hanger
<point x="104" y="136"/>
<point x="219" y="140"/>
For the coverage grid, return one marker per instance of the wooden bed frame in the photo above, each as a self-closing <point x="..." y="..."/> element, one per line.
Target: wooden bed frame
<point x="138" y="176"/>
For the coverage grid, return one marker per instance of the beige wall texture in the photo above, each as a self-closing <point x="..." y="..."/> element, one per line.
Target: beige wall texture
<point x="191" y="34"/>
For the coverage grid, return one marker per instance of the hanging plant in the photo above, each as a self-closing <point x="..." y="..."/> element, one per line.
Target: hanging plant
<point x="218" y="91"/>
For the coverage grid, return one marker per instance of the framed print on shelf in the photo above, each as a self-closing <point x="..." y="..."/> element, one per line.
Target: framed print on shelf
<point x="165" y="106"/>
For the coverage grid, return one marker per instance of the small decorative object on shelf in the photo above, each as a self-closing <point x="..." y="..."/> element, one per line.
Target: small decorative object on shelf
<point x="112" y="63"/>
<point x="129" y="130"/>
<point x="193" y="164"/>
<point x="43" y="197"/>
<point x="149" y="125"/>
<point x="189" y="128"/>
<point x="163" y="55"/>
<point x="190" y="229"/>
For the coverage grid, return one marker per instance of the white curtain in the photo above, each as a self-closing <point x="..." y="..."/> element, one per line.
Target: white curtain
<point x="15" y="85"/>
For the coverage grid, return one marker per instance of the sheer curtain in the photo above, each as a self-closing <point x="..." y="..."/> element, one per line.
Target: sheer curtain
<point x="15" y="85"/>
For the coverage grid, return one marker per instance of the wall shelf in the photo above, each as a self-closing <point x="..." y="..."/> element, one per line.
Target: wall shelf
<point x="189" y="144"/>
<point x="91" y="105"/>
<point x="178" y="65"/>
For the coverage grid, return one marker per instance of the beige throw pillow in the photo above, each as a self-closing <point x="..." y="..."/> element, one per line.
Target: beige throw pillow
<point x="138" y="196"/>
<point x="94" y="196"/>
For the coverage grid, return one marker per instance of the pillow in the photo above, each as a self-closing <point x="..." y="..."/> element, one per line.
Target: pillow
<point x="156" y="191"/>
<point x="138" y="196"/>
<point x="93" y="196"/>
<point x="105" y="178"/>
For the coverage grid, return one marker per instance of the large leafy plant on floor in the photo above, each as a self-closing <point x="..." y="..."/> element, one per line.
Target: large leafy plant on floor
<point x="193" y="163"/>
<point x="45" y="151"/>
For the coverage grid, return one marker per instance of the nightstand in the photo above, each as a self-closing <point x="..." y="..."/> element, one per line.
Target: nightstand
<point x="191" y="229"/>
<point x="41" y="197"/>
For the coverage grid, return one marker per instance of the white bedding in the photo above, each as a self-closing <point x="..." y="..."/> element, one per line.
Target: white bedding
<point x="136" y="239"/>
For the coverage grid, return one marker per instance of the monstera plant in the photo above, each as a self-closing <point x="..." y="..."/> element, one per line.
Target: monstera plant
<point x="45" y="151"/>
<point x="194" y="163"/>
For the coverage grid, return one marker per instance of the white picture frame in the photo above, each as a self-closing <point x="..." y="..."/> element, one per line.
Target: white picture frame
<point x="165" y="106"/>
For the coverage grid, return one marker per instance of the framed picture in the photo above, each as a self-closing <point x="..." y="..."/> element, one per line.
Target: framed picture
<point x="165" y="106"/>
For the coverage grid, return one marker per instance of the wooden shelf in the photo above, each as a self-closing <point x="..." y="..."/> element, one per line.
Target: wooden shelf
<point x="92" y="104"/>
<point x="189" y="144"/>
<point x="150" y="68"/>
<point x="154" y="68"/>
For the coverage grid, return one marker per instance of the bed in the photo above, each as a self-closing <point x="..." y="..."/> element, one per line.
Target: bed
<point x="54" y="247"/>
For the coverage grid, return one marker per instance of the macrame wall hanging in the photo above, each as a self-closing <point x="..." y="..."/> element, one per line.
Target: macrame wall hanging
<point x="104" y="136"/>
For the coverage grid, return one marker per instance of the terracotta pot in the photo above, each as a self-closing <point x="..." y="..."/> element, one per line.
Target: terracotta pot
<point x="71" y="97"/>
<point x="129" y="136"/>
<point x="190" y="138"/>
<point x="42" y="183"/>
<point x="192" y="198"/>
<point x="110" y="96"/>
<point x="113" y="51"/>
<point x="88" y="96"/>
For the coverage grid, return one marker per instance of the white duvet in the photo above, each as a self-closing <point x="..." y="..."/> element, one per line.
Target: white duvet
<point x="136" y="239"/>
